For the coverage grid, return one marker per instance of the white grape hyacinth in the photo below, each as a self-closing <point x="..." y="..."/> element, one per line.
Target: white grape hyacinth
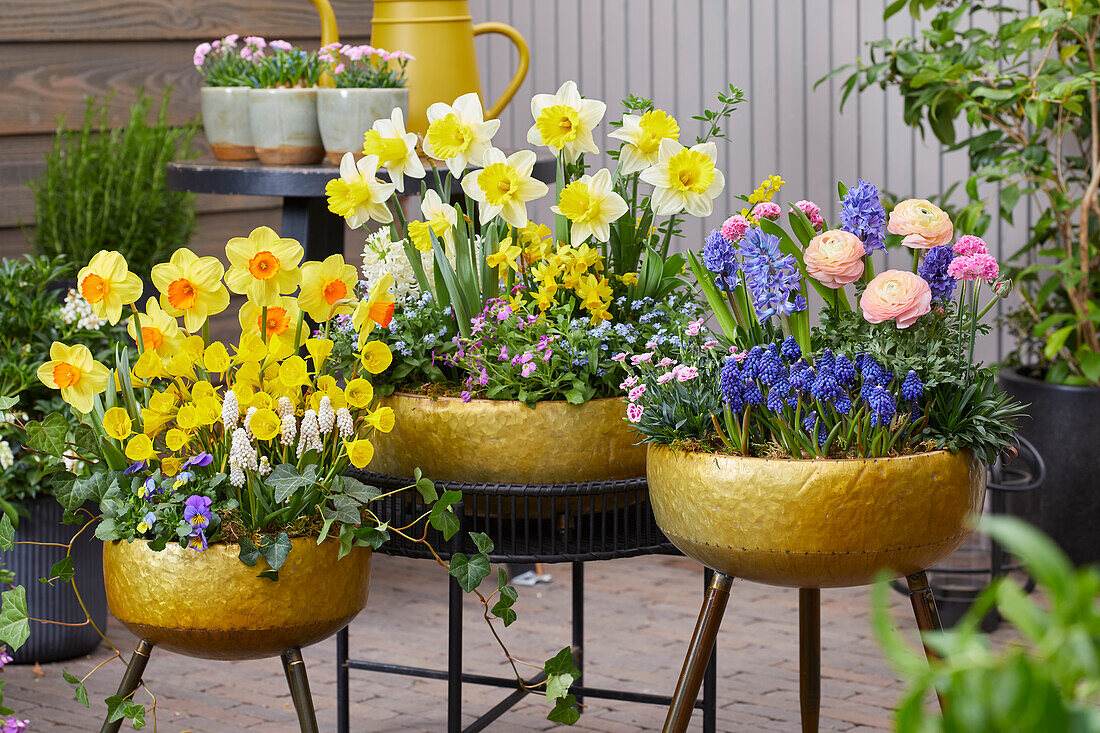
<point x="326" y="417"/>
<point x="231" y="410"/>
<point x="344" y="423"/>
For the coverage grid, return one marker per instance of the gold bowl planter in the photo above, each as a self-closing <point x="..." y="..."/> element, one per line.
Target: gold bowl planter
<point x="498" y="441"/>
<point x="815" y="523"/>
<point x="212" y="605"/>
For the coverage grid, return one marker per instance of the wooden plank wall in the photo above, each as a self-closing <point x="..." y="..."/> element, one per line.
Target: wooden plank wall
<point x="681" y="52"/>
<point x="53" y="53"/>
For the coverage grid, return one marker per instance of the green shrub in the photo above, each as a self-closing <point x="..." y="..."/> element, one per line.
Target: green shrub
<point x="106" y="189"/>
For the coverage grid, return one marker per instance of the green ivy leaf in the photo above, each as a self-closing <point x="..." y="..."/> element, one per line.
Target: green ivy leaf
<point x="557" y="686"/>
<point x="469" y="571"/>
<point x="503" y="607"/>
<point x="249" y="554"/>
<point x="427" y="490"/>
<point x="360" y="491"/>
<point x="565" y="710"/>
<point x="61" y="570"/>
<point x="106" y="530"/>
<point x="14" y="626"/>
<point x="84" y="439"/>
<point x="562" y="663"/>
<point x="483" y="542"/>
<point x="7" y="534"/>
<point x="81" y="691"/>
<point x="275" y="549"/>
<point x="8" y="401"/>
<point x="285" y="479"/>
<point x="373" y="536"/>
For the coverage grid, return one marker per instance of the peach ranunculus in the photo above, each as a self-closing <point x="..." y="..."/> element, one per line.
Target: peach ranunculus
<point x="835" y="258"/>
<point x="896" y="294"/>
<point x="923" y="224"/>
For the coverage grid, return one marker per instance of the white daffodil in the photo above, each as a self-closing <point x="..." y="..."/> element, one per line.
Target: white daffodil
<point x="504" y="186"/>
<point x="564" y="121"/>
<point x="459" y="134"/>
<point x="591" y="205"/>
<point x="441" y="217"/>
<point x="395" y="148"/>
<point x="643" y="135"/>
<point x="358" y="195"/>
<point x="684" y="179"/>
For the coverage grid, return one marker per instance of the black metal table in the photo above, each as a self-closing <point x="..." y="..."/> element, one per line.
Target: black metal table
<point x="306" y="217"/>
<point x="552" y="523"/>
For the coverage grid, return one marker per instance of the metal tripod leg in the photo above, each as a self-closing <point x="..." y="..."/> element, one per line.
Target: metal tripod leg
<point x="809" y="657"/>
<point x="130" y="681"/>
<point x="924" y="608"/>
<point x="295" y="669"/>
<point x="698" y="654"/>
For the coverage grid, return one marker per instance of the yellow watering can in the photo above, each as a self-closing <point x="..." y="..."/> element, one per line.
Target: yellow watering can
<point x="440" y="34"/>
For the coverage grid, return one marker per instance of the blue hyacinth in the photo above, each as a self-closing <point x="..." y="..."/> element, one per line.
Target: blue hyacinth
<point x="772" y="277"/>
<point x="720" y="257"/>
<point x="863" y="214"/>
<point x="792" y="352"/>
<point x="844" y="370"/>
<point x="732" y="392"/>
<point x="912" y="389"/>
<point x="934" y="270"/>
<point x="883" y="406"/>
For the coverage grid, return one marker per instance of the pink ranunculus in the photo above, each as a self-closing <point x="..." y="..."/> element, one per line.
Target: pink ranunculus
<point x="735" y="227"/>
<point x="974" y="267"/>
<point x="634" y="412"/>
<point x="923" y="224"/>
<point x="666" y="377"/>
<point x="767" y="210"/>
<point x="629" y="382"/>
<point x="636" y="393"/>
<point x="835" y="258"/>
<point x="969" y="244"/>
<point x="896" y="295"/>
<point x="687" y="374"/>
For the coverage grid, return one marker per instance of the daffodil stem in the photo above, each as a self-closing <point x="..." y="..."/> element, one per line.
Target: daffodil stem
<point x="263" y="323"/>
<point x="298" y="330"/>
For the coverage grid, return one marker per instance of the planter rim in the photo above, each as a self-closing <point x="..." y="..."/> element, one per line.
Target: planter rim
<point x="819" y="461"/>
<point x="359" y="89"/>
<point x="483" y="400"/>
<point x="204" y="87"/>
<point x="281" y="89"/>
<point x="1013" y="374"/>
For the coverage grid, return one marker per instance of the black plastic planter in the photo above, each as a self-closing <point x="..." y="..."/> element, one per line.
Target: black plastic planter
<point x="57" y="602"/>
<point x="1065" y="429"/>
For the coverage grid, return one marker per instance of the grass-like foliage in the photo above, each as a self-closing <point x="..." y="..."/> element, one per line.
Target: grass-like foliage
<point x="106" y="189"/>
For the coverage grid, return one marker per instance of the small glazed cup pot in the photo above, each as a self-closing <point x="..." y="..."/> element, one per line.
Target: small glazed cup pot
<point x="344" y="115"/>
<point x="225" y="120"/>
<point x="284" y="126"/>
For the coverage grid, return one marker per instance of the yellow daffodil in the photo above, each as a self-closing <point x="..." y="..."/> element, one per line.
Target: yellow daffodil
<point x="262" y="400"/>
<point x="536" y="240"/>
<point x="459" y="134"/>
<point x="209" y="410"/>
<point x="376" y="309"/>
<point x="395" y="148"/>
<point x="642" y="135"/>
<point x="592" y="205"/>
<point x="176" y="439"/>
<point x="264" y="424"/>
<point x="629" y="278"/>
<point x="564" y="121"/>
<point x="191" y="286"/>
<point x="282" y="319"/>
<point x="140" y="448"/>
<point x="544" y="297"/>
<point x="216" y="358"/>
<point x="170" y="465"/>
<point x="293" y="372"/>
<point x="593" y="291"/>
<point x="153" y="422"/>
<point x="159" y="331"/>
<point x="505" y="257"/>
<point x="328" y="288"/>
<point x="359" y="393"/>
<point x="107" y="284"/>
<point x="360" y="452"/>
<point x="504" y="186"/>
<point x="166" y="402"/>
<point x="319" y="350"/>
<point x="684" y="179"/>
<point x="358" y="195"/>
<point x="376" y="357"/>
<point x="149" y="366"/>
<point x="72" y="370"/>
<point x="381" y="419"/>
<point x="250" y="349"/>
<point x="188" y="417"/>
<point x="441" y="217"/>
<point x="263" y="266"/>
<point x="420" y="234"/>
<point x="117" y="424"/>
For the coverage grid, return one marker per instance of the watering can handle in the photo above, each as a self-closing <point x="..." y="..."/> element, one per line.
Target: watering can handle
<point x="329" y="34"/>
<point x="521" y="70"/>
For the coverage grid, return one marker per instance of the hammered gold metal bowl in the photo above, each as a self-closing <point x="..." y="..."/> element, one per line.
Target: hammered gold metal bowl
<point x="212" y="605"/>
<point x="815" y="524"/>
<point x="501" y="441"/>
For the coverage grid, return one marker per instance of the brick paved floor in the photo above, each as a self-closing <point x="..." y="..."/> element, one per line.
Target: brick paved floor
<point x="640" y="616"/>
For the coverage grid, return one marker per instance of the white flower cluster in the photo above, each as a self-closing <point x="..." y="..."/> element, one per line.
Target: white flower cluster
<point x="230" y="410"/>
<point x="326" y="418"/>
<point x="310" y="436"/>
<point x="79" y="311"/>
<point x="242" y="455"/>
<point x="344" y="423"/>
<point x="288" y="428"/>
<point x="382" y="255"/>
<point x="6" y="456"/>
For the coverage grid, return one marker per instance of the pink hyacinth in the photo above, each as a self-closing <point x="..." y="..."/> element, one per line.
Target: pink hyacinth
<point x="734" y="228"/>
<point x="666" y="377"/>
<point x="971" y="245"/>
<point x="767" y="210"/>
<point x="636" y="393"/>
<point x="980" y="266"/>
<point x="629" y="382"/>
<point x="634" y="412"/>
<point x="812" y="212"/>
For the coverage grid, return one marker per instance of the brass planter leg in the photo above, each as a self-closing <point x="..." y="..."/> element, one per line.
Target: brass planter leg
<point x="698" y="654"/>
<point x="924" y="608"/>
<point x="809" y="657"/>
<point x="295" y="668"/>
<point x="130" y="681"/>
